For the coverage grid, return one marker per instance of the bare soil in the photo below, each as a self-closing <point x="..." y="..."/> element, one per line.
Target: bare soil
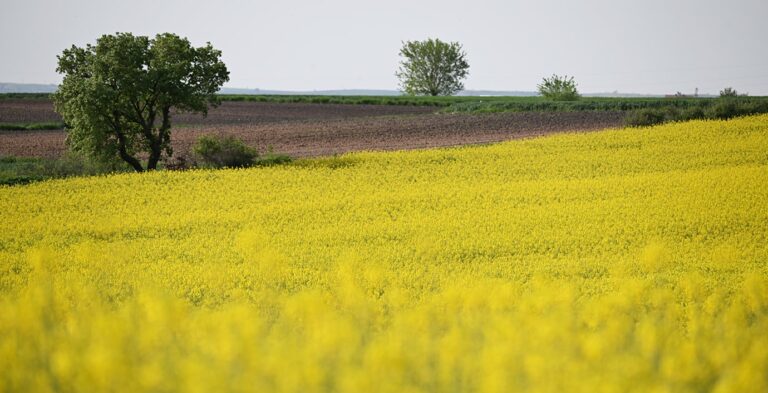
<point x="229" y="112"/>
<point x="27" y="111"/>
<point x="303" y="130"/>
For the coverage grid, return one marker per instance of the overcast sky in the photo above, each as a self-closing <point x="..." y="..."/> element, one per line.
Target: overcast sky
<point x="640" y="46"/>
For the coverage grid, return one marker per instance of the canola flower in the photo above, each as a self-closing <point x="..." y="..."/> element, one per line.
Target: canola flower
<point x="622" y="260"/>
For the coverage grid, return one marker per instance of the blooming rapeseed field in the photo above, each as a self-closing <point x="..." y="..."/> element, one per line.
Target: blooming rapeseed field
<point x="623" y="260"/>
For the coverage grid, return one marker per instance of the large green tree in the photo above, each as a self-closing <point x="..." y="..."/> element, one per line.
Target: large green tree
<point x="432" y="67"/>
<point x="117" y="96"/>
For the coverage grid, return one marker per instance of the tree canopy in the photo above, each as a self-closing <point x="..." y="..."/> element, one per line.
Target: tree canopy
<point x="117" y="96"/>
<point x="729" y="92"/>
<point x="559" y="88"/>
<point x="432" y="67"/>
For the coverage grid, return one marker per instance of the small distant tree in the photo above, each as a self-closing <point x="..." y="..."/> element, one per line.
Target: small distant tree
<point x="729" y="92"/>
<point x="432" y="67"/>
<point x="559" y="88"/>
<point x="117" y="96"/>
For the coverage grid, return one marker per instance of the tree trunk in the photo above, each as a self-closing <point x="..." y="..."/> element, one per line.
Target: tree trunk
<point x="155" y="150"/>
<point x="131" y="160"/>
<point x="124" y="153"/>
<point x="162" y="139"/>
<point x="154" y="157"/>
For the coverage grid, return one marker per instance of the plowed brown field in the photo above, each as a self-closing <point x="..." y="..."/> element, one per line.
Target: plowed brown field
<point x="302" y="130"/>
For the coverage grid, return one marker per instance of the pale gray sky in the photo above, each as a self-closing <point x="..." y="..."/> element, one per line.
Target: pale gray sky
<point x="642" y="46"/>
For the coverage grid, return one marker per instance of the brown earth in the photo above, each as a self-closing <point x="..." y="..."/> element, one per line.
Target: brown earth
<point x="27" y="111"/>
<point x="303" y="130"/>
<point x="229" y="112"/>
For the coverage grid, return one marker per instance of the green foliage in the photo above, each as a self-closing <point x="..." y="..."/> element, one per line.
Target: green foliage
<point x="646" y="117"/>
<point x="729" y="92"/>
<point x="719" y="109"/>
<point x="726" y="109"/>
<point x="432" y="67"/>
<point x="23" y="170"/>
<point x="691" y="113"/>
<point x="493" y="104"/>
<point x="24" y="96"/>
<point x="559" y="88"/>
<point x="730" y="108"/>
<point x="223" y="152"/>
<point x="539" y="104"/>
<point x="404" y="100"/>
<point x="214" y="151"/>
<point x="271" y="158"/>
<point x="115" y="92"/>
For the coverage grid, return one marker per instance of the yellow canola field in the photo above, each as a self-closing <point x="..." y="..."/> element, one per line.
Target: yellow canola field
<point x="623" y="260"/>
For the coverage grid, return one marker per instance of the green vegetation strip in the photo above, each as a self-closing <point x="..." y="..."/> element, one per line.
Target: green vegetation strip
<point x="479" y="104"/>
<point x="23" y="170"/>
<point x="353" y="100"/>
<point x="24" y="96"/>
<point x="720" y="109"/>
<point x="537" y="104"/>
<point x="55" y="125"/>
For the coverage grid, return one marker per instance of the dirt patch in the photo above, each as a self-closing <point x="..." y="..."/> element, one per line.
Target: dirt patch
<point x="229" y="112"/>
<point x="27" y="111"/>
<point x="301" y="139"/>
<point x="256" y="113"/>
<point x="303" y="130"/>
